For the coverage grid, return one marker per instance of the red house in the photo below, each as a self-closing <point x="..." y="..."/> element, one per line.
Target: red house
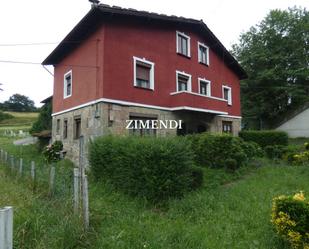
<point x="120" y="64"/>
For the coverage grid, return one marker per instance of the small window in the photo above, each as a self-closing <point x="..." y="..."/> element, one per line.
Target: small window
<point x="183" y="44"/>
<point x="227" y="127"/>
<point x="141" y="128"/>
<point x="227" y="94"/>
<point x="58" y="126"/>
<point x="203" y="54"/>
<point x="183" y="81"/>
<point x="65" y="129"/>
<point x="77" y="127"/>
<point x="204" y="87"/>
<point x="143" y="73"/>
<point x="67" y="84"/>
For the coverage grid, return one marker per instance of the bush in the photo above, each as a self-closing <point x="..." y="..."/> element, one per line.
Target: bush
<point x="252" y="149"/>
<point x="214" y="149"/>
<point x="265" y="138"/>
<point x="4" y="116"/>
<point x="290" y="217"/>
<point x="274" y="151"/>
<point x="306" y="146"/>
<point x="51" y="152"/>
<point x="197" y="177"/>
<point x="153" y="168"/>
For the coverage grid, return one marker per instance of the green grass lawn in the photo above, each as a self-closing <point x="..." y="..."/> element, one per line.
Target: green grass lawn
<point x="231" y="211"/>
<point x="21" y="120"/>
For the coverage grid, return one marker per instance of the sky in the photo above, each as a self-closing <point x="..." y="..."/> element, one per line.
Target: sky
<point x="44" y="23"/>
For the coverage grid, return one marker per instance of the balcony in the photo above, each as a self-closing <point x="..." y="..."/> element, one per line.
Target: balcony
<point x="185" y="100"/>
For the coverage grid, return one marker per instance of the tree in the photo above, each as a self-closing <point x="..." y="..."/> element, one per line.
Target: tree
<point x="275" y="54"/>
<point x="19" y="103"/>
<point x="44" y="121"/>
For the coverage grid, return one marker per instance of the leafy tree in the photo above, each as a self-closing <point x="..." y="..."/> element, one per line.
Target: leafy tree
<point x="44" y="121"/>
<point x="19" y="103"/>
<point x="275" y="54"/>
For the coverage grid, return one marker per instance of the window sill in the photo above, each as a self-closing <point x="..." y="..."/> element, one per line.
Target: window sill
<point x="204" y="64"/>
<point x="144" y="88"/>
<point x="184" y="55"/>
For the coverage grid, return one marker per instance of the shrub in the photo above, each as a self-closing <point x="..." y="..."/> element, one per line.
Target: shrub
<point x="4" y="116"/>
<point x="51" y="152"/>
<point x="153" y="168"/>
<point x="214" y="149"/>
<point x="252" y="149"/>
<point x="265" y="138"/>
<point x="306" y="146"/>
<point x="197" y="177"/>
<point x="231" y="164"/>
<point x="274" y="151"/>
<point x="300" y="158"/>
<point x="290" y="217"/>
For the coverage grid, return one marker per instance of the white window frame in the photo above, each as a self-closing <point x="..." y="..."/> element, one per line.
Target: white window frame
<point x="189" y="42"/>
<point x="208" y="86"/>
<point x="229" y="99"/>
<point x="65" y="95"/>
<point x="200" y="44"/>
<point x="189" y="88"/>
<point x="152" y="64"/>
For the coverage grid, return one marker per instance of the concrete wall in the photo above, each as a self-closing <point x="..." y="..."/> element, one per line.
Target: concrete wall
<point x="103" y="119"/>
<point x="297" y="126"/>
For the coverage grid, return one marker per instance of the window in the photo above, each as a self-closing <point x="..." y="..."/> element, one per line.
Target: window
<point x="227" y="127"/>
<point x="58" y="126"/>
<point x="67" y="91"/>
<point x="65" y="129"/>
<point x="204" y="87"/>
<point x="183" y="44"/>
<point x="77" y="127"/>
<point x="143" y="73"/>
<point x="227" y="94"/>
<point x="142" y="128"/>
<point x="183" y="81"/>
<point x="203" y="54"/>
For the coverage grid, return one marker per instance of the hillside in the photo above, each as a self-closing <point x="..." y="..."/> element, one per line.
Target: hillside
<point x="21" y="120"/>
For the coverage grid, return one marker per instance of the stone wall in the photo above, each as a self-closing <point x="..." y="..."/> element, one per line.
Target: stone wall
<point x="103" y="118"/>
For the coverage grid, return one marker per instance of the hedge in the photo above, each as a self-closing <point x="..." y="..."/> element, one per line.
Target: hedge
<point x="152" y="168"/>
<point x="222" y="150"/>
<point x="290" y="217"/>
<point x="266" y="137"/>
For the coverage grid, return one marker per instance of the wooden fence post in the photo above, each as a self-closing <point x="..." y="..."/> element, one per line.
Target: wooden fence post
<point x="33" y="170"/>
<point x="6" y="228"/>
<point x="76" y="190"/>
<point x="21" y="166"/>
<point x="51" y="180"/>
<point x="85" y="202"/>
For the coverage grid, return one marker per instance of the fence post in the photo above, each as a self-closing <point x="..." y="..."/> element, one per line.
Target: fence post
<point x="85" y="202"/>
<point x="51" y="180"/>
<point x="33" y="170"/>
<point x="6" y="228"/>
<point x="12" y="162"/>
<point x="21" y="166"/>
<point x="76" y="190"/>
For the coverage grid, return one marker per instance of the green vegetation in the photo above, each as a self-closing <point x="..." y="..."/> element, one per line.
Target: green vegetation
<point x="274" y="53"/>
<point x="44" y="121"/>
<point x="18" y="103"/>
<point x="231" y="210"/>
<point x="222" y="150"/>
<point x="290" y="216"/>
<point x="265" y="137"/>
<point x="20" y="121"/>
<point x="4" y="116"/>
<point x="152" y="168"/>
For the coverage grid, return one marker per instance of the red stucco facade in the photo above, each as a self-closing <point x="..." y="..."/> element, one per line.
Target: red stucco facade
<point x="102" y="67"/>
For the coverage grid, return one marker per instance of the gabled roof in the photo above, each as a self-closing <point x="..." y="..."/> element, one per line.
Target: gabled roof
<point x="98" y="13"/>
<point x="292" y="114"/>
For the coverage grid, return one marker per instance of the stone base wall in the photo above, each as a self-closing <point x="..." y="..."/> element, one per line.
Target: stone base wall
<point x="103" y="119"/>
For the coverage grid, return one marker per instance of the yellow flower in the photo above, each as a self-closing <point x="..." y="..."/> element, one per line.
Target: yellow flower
<point x="299" y="196"/>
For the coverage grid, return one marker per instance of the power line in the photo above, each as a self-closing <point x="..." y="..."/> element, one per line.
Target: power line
<point x="38" y="63"/>
<point x="39" y="43"/>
